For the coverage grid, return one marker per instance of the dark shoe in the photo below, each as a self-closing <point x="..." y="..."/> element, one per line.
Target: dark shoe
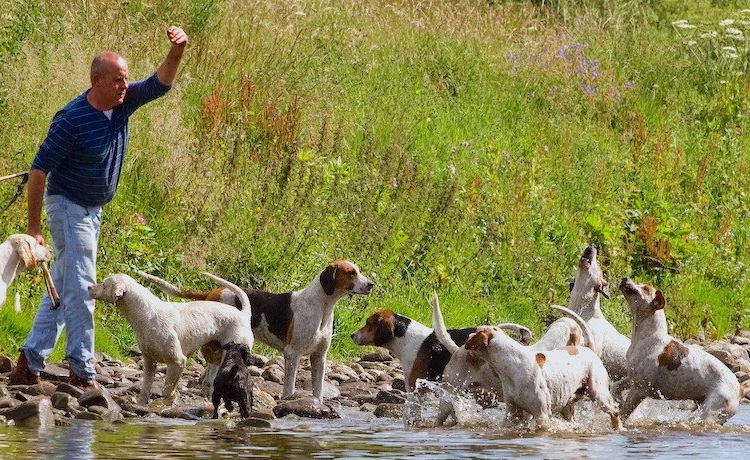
<point x="22" y="375"/>
<point x="80" y="382"/>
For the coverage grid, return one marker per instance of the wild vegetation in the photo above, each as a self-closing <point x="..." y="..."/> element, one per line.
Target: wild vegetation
<point x="472" y="147"/>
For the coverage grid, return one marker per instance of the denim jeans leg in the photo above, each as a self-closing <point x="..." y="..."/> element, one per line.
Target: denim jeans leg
<point x="75" y="234"/>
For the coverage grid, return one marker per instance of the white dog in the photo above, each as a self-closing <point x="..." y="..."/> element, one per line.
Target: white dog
<point x="168" y="332"/>
<point x="546" y="383"/>
<point x="18" y="253"/>
<point x="662" y="367"/>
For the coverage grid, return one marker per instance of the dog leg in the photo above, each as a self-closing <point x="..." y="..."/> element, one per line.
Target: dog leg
<point x="216" y="401"/>
<point x="149" y="370"/>
<point x="291" y="362"/>
<point x="317" y="368"/>
<point x="715" y="409"/>
<point x="207" y="379"/>
<point x="245" y="402"/>
<point x="634" y="398"/>
<point x="174" y="372"/>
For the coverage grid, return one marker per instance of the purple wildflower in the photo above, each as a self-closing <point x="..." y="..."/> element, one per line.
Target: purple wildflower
<point x="141" y="220"/>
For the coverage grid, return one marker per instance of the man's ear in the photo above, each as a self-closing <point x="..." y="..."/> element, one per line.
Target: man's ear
<point x="658" y="303"/>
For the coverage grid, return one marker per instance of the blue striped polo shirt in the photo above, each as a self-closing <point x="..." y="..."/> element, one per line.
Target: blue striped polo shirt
<point x="84" y="150"/>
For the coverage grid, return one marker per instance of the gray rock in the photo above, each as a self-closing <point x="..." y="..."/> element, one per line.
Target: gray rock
<point x="378" y="356"/>
<point x="64" y="401"/>
<point x="274" y="374"/>
<point x="98" y="397"/>
<point x="253" y="422"/>
<point x="390" y="397"/>
<point x="399" y="384"/>
<point x="389" y="410"/>
<point x="33" y="413"/>
<point x="304" y="407"/>
<point x="177" y="412"/>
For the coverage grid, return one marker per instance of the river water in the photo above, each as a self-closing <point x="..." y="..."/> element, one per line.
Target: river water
<point x="657" y="430"/>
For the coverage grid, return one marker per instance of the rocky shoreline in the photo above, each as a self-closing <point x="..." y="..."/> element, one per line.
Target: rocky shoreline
<point x="373" y="383"/>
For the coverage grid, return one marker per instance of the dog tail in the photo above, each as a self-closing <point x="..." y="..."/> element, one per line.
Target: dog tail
<point x="236" y="290"/>
<point x="523" y="331"/>
<point x="439" y="326"/>
<point x="587" y="335"/>
<point x="173" y="290"/>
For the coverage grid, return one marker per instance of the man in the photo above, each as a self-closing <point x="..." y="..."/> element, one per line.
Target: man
<point x="80" y="163"/>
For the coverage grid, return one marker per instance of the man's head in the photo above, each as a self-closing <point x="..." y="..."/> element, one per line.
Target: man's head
<point x="109" y="80"/>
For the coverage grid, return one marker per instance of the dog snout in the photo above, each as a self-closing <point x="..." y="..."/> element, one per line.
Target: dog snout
<point x="626" y="285"/>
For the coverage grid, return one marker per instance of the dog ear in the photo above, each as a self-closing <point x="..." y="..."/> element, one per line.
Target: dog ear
<point x="478" y="340"/>
<point x="658" y="303"/>
<point x="24" y="250"/>
<point x="119" y="290"/>
<point x="525" y="336"/>
<point x="603" y="289"/>
<point x="384" y="332"/>
<point x="328" y="279"/>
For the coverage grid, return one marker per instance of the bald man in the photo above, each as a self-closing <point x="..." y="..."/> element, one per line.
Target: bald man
<point x="79" y="165"/>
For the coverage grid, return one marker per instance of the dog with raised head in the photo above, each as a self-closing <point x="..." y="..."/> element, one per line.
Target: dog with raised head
<point x="298" y="323"/>
<point x="18" y="253"/>
<point x="543" y="384"/>
<point x="232" y="382"/>
<point x="169" y="332"/>
<point x="587" y="288"/>
<point x="662" y="367"/>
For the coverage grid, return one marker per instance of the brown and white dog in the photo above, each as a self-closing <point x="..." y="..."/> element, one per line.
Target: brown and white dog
<point x="662" y="367"/>
<point x="169" y="332"/>
<point x="464" y="371"/>
<point x="422" y="356"/>
<point x="18" y="253"/>
<point x="542" y="384"/>
<point x="297" y="323"/>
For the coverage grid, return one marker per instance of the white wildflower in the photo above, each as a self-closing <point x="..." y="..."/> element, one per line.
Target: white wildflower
<point x="726" y="22"/>
<point x="683" y="24"/>
<point x="734" y="33"/>
<point x="691" y="42"/>
<point x="711" y="34"/>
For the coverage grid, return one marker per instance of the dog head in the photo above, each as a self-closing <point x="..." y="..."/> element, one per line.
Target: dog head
<point x="380" y="328"/>
<point x="343" y="277"/>
<point x="481" y="339"/>
<point x="589" y="279"/>
<point x="28" y="250"/>
<point x="112" y="289"/>
<point x="237" y="351"/>
<point x="643" y="300"/>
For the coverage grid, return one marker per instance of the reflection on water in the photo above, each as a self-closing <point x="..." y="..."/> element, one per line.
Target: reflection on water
<point x="360" y="435"/>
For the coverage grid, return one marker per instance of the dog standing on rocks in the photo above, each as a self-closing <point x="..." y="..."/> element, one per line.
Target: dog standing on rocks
<point x="297" y="323"/>
<point x="232" y="382"/>
<point x="169" y="332"/>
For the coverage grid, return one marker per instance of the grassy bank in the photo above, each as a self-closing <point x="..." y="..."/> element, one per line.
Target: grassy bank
<point x="470" y="147"/>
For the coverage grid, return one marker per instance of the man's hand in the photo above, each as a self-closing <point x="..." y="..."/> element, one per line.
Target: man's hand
<point x="177" y="36"/>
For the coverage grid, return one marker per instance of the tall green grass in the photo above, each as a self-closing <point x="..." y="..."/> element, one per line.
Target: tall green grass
<point x="473" y="147"/>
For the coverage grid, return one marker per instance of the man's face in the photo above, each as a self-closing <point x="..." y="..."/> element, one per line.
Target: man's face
<point x="112" y="83"/>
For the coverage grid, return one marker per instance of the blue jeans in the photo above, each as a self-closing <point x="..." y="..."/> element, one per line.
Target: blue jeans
<point x="75" y="236"/>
